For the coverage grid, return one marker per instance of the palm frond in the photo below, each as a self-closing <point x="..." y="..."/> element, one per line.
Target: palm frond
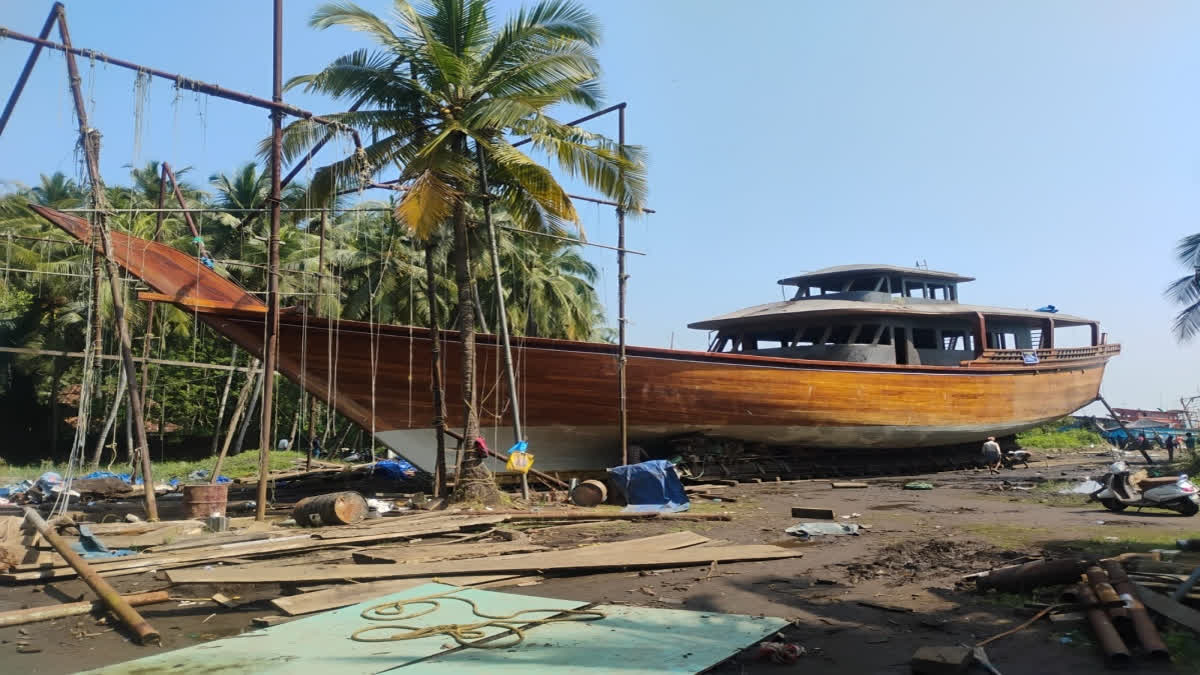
<point x="426" y="205"/>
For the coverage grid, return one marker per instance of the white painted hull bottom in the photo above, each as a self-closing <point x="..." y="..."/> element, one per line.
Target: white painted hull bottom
<point x="561" y="448"/>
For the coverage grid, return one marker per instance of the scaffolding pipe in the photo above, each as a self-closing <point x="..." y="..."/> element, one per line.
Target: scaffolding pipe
<point x="28" y="69"/>
<point x="119" y="605"/>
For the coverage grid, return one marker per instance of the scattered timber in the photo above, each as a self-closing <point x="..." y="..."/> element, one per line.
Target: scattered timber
<point x="1173" y="610"/>
<point x="433" y="552"/>
<point x="20" y="617"/>
<point x="841" y="485"/>
<point x="534" y="562"/>
<point x="128" y="615"/>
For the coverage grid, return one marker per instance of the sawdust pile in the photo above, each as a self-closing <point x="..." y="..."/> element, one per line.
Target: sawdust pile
<point x="914" y="560"/>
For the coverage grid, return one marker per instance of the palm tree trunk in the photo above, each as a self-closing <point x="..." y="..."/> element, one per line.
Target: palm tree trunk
<point x="237" y="446"/>
<point x="224" y="399"/>
<point x="439" y="394"/>
<point x="474" y="482"/>
<point x="296" y="420"/>
<point x="238" y="410"/>
<point x="122" y="382"/>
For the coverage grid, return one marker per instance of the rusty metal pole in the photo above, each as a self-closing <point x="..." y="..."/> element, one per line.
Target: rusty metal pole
<point x="89" y="139"/>
<point x="271" y="344"/>
<point x="1116" y="654"/>
<point x="1147" y="633"/>
<point x="622" y="277"/>
<point x="28" y="69"/>
<point x="187" y="215"/>
<point x="119" y="606"/>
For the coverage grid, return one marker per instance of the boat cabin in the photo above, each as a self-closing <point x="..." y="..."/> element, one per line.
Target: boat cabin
<point x="885" y="314"/>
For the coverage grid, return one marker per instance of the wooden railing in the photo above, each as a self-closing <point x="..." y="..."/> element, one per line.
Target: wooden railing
<point x="1034" y="357"/>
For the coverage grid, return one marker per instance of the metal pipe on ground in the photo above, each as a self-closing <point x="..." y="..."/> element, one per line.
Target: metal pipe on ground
<point x="1116" y="654"/>
<point x="1098" y="580"/>
<point x="115" y="602"/>
<point x="20" y="617"/>
<point x="1032" y="575"/>
<point x="1143" y="625"/>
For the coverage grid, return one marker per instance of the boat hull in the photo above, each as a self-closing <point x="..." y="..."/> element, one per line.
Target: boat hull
<point x="569" y="395"/>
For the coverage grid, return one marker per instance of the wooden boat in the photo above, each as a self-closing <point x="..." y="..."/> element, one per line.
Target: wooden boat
<point x="863" y="357"/>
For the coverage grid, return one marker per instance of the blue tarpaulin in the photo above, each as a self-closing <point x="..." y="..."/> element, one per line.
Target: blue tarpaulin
<point x="650" y="486"/>
<point x="396" y="469"/>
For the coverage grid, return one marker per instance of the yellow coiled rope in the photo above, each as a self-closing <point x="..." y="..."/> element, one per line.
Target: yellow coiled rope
<point x="465" y="634"/>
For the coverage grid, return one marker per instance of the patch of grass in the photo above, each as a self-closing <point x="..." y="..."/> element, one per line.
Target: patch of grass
<point x="1053" y="435"/>
<point x="1008" y="536"/>
<point x="1184" y="648"/>
<point x="1128" y="540"/>
<point x="241" y="465"/>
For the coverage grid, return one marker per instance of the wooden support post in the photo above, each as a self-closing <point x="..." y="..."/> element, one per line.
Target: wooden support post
<point x="19" y="617"/>
<point x="439" y="394"/>
<point x="90" y="141"/>
<point x="128" y="615"/>
<point x="271" y="343"/>
<point x="514" y="398"/>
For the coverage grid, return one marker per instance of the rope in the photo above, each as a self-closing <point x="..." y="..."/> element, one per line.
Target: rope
<point x="465" y="634"/>
<point x="1023" y="626"/>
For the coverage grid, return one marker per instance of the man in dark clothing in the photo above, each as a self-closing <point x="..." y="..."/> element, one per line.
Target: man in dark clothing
<point x="1169" y="444"/>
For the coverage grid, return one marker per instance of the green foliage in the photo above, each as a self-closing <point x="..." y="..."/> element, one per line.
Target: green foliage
<point x="240" y="465"/>
<point x="1184" y="647"/>
<point x="1053" y="435"/>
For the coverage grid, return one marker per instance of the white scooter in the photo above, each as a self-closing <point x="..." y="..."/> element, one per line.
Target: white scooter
<point x="1169" y="492"/>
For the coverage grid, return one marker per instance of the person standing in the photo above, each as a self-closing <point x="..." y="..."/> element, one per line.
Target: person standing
<point x="991" y="454"/>
<point x="1169" y="444"/>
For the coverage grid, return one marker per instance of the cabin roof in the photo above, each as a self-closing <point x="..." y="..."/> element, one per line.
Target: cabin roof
<point x="819" y="308"/>
<point x="847" y="271"/>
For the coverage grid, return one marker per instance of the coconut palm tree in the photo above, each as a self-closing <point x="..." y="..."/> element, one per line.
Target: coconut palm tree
<point x="444" y="78"/>
<point x="1186" y="290"/>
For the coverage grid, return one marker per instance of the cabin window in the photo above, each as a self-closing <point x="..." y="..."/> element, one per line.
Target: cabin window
<point x="864" y="284"/>
<point x="839" y="335"/>
<point x="1072" y="336"/>
<point x="924" y="338"/>
<point x="868" y="334"/>
<point x="954" y="340"/>
<point x="885" y="336"/>
<point x="939" y="292"/>
<point x="914" y="289"/>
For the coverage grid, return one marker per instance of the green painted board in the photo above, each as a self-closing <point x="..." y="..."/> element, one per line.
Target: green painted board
<point x="628" y="641"/>
<point x="321" y="644"/>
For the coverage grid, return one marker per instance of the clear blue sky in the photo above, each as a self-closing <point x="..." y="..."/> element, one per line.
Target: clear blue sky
<point x="1051" y="149"/>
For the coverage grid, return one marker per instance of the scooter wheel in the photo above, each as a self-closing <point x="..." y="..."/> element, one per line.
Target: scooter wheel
<point x="1114" y="505"/>
<point x="1189" y="508"/>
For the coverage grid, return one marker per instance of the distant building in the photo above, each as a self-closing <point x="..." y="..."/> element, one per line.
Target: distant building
<point x="1175" y="419"/>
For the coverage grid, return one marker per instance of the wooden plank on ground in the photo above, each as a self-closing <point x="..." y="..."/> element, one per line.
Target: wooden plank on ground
<point x="807" y="512"/>
<point x="838" y="485"/>
<point x="300" y="542"/>
<point x="532" y="562"/>
<point x="352" y="594"/>
<point x="1181" y="614"/>
<point x="431" y="552"/>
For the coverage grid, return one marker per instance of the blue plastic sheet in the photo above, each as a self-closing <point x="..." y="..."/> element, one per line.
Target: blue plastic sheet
<point x="650" y="486"/>
<point x="396" y="469"/>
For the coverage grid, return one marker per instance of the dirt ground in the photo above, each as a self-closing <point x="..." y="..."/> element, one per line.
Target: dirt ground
<point x="914" y="547"/>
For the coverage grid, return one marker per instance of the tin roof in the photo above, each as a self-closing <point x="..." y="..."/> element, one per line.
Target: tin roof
<point x="817" y="308"/>
<point x="847" y="271"/>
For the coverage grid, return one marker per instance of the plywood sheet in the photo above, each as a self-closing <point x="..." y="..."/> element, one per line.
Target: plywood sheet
<point x="645" y="640"/>
<point x="322" y="644"/>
